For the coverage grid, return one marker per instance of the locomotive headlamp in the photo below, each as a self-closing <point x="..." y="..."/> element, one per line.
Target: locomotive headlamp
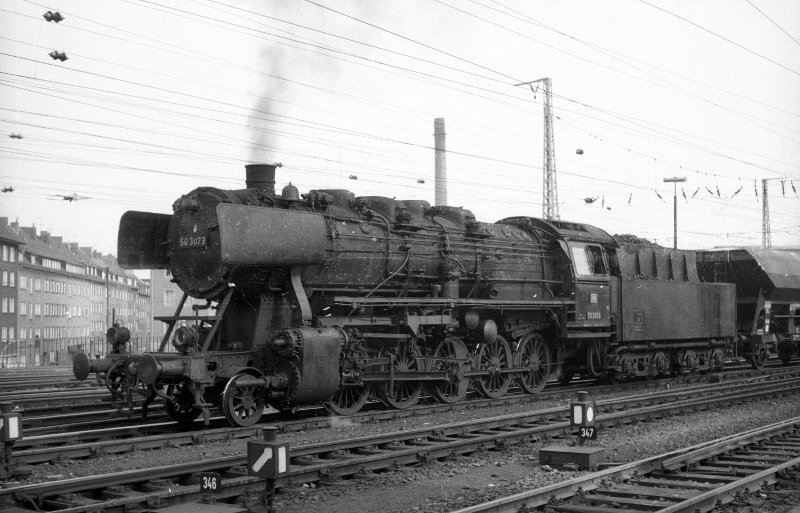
<point x="184" y="338"/>
<point x="582" y="411"/>
<point x="10" y="423"/>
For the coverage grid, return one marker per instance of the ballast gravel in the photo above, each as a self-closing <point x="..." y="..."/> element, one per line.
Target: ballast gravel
<point x="463" y="481"/>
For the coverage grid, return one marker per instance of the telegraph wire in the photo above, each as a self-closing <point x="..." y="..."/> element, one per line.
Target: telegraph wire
<point x="616" y="55"/>
<point x="411" y="40"/>
<point x="704" y="29"/>
<point x="773" y="22"/>
<point x="659" y="82"/>
<point x="623" y="118"/>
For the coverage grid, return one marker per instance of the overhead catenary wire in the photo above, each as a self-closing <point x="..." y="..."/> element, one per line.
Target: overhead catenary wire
<point x="378" y="147"/>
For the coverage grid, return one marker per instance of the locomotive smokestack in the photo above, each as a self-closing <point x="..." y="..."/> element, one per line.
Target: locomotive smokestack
<point x="440" y="179"/>
<point x="261" y="176"/>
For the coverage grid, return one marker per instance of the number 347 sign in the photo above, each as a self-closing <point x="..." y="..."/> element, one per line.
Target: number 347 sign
<point x="210" y="482"/>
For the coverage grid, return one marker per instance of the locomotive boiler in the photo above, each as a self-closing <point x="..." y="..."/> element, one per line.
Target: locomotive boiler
<point x="335" y="299"/>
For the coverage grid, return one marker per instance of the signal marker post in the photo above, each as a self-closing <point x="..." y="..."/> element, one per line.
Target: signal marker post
<point x="582" y="417"/>
<point x="10" y="431"/>
<point x="268" y="460"/>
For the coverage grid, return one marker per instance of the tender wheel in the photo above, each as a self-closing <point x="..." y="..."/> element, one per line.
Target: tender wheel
<point x="348" y="399"/>
<point x="450" y="356"/>
<point x="717" y="362"/>
<point x="243" y="405"/>
<point x="532" y="357"/>
<point x="659" y="364"/>
<point x="403" y="394"/>
<point x="690" y="361"/>
<point x="495" y="358"/>
<point x="180" y="403"/>
<point x="760" y="356"/>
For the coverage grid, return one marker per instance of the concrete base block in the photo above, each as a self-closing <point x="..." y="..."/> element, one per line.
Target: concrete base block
<point x="582" y="456"/>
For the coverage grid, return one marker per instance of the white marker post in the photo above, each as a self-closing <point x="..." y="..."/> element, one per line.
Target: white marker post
<point x="269" y="460"/>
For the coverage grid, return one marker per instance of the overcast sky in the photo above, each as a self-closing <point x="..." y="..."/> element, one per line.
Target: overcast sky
<point x="159" y="97"/>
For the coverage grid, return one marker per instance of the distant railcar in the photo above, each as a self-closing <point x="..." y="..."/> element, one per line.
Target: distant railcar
<point x="768" y="296"/>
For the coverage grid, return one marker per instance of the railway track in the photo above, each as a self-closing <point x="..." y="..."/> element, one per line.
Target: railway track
<point x="357" y="457"/>
<point x="694" y="479"/>
<point x="41" y="445"/>
<point x="65" y="412"/>
<point x="39" y="449"/>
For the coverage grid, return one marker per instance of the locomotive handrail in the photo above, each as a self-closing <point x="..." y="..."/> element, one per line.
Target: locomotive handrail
<point x="495" y="303"/>
<point x="220" y="312"/>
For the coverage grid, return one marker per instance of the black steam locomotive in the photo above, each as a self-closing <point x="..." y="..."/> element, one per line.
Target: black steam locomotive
<point x="332" y="298"/>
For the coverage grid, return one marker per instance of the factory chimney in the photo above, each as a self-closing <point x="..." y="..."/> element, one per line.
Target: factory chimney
<point x="440" y="198"/>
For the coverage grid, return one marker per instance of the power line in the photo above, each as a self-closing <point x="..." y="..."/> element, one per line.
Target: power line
<point x="773" y="22"/>
<point x="704" y="29"/>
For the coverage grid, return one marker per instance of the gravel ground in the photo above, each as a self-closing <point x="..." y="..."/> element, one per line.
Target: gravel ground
<point x="466" y="480"/>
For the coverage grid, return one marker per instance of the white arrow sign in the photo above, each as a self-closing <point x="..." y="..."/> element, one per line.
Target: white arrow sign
<point x="263" y="459"/>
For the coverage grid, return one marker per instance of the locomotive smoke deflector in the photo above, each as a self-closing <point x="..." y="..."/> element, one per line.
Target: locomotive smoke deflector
<point x="142" y="240"/>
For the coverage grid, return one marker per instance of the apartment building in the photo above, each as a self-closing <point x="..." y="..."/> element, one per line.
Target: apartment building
<point x="59" y="298"/>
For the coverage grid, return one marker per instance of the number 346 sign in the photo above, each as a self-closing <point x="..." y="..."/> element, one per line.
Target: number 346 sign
<point x="210" y="482"/>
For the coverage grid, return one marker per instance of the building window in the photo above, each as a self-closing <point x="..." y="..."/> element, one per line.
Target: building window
<point x="4" y="305"/>
<point x="169" y="297"/>
<point x="12" y="279"/>
<point x="11" y="305"/>
<point x="5" y="277"/>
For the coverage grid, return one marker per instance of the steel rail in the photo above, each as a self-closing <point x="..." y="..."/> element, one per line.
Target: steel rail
<point x="52" y="452"/>
<point x="700" y="502"/>
<point x="349" y="457"/>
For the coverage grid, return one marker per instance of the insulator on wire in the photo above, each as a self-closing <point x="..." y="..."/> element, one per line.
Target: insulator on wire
<point x="710" y="191"/>
<point x="58" y="56"/>
<point x="684" y="195"/>
<point x="793" y="189"/>
<point x="737" y="191"/>
<point x="718" y="194"/>
<point x="783" y="188"/>
<point x="696" y="191"/>
<point x="53" y="16"/>
<point x="629" y="199"/>
<point x="659" y="196"/>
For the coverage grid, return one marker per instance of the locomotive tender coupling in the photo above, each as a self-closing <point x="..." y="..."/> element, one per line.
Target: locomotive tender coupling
<point x="337" y="299"/>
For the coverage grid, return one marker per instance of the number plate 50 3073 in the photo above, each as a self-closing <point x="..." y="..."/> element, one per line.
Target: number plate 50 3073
<point x="195" y="241"/>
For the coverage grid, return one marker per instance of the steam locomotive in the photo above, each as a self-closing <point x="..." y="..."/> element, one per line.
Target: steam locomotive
<point x="335" y="299"/>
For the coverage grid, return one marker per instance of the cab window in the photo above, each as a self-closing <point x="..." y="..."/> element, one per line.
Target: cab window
<point x="588" y="260"/>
